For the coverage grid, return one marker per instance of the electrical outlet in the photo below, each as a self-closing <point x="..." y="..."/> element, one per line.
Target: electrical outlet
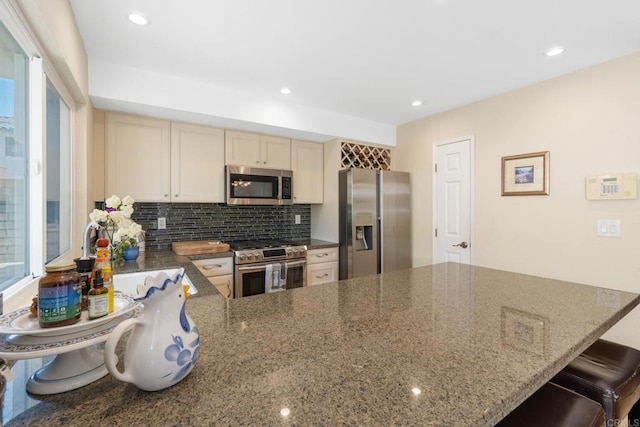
<point x="297" y="219"/>
<point x="162" y="223"/>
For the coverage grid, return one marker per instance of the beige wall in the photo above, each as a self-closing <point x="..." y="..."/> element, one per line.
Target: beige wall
<point x="589" y="122"/>
<point x="54" y="25"/>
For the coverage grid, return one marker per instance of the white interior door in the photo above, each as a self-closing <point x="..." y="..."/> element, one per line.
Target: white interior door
<point x="453" y="219"/>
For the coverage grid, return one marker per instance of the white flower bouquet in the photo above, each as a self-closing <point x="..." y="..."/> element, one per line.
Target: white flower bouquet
<point x="115" y="221"/>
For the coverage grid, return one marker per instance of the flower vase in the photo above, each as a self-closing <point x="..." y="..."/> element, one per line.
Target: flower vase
<point x="131" y="253"/>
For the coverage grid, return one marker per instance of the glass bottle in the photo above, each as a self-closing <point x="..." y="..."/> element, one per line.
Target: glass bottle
<point x="107" y="279"/>
<point x="98" y="298"/>
<point x="59" y="296"/>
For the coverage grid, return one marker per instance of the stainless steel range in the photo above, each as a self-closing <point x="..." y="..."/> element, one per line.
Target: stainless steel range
<point x="263" y="266"/>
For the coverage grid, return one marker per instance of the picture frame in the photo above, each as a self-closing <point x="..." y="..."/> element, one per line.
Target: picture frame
<point x="526" y="174"/>
<point x="524" y="331"/>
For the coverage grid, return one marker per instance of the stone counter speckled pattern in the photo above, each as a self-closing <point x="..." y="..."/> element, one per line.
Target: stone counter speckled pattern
<point x="475" y="341"/>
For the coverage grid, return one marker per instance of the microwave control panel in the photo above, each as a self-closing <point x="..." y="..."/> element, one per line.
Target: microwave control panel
<point x="286" y="187"/>
<point x="612" y="187"/>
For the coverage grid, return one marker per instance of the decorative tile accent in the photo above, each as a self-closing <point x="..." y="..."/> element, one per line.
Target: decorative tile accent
<point x="211" y="221"/>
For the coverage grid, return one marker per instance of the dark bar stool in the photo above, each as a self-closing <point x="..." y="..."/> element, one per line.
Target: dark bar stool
<point x="608" y="373"/>
<point x="555" y="406"/>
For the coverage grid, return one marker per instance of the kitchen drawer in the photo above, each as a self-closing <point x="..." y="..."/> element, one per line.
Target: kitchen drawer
<point x="324" y="272"/>
<point x="215" y="266"/>
<point x="315" y="256"/>
<point x="224" y="284"/>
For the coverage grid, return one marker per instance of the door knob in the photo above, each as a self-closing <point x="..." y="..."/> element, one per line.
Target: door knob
<point x="463" y="245"/>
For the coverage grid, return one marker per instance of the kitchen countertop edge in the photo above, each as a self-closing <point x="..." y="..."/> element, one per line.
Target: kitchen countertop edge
<point x="161" y="259"/>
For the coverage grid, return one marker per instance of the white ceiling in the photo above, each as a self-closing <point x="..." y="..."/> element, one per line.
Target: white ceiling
<point x="354" y="65"/>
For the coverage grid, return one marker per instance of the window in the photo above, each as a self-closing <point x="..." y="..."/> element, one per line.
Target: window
<point x="14" y="179"/>
<point x="58" y="141"/>
<point x="36" y="167"/>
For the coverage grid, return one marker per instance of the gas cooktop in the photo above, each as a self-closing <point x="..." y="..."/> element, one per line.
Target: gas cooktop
<point x="244" y="245"/>
<point x="254" y="251"/>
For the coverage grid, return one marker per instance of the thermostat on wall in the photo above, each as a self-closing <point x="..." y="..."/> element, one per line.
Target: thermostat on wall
<point x="612" y="187"/>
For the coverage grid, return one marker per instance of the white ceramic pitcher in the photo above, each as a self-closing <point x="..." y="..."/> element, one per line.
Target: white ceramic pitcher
<point x="164" y="343"/>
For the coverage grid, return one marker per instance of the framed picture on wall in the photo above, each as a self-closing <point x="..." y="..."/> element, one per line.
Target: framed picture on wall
<point x="526" y="174"/>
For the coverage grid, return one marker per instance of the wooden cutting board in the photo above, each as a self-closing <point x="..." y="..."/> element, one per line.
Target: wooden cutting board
<point x="197" y="247"/>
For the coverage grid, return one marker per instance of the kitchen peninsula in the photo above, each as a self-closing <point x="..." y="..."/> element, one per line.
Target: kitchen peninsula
<point x="442" y="345"/>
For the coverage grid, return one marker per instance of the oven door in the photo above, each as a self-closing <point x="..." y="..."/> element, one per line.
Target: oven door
<point x="249" y="278"/>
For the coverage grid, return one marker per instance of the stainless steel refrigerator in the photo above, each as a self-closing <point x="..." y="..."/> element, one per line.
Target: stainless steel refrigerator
<point x="375" y="222"/>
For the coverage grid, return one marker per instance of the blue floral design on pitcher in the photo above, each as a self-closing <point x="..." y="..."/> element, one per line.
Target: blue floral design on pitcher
<point x="184" y="357"/>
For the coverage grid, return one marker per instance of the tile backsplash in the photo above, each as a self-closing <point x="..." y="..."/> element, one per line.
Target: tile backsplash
<point x="218" y="221"/>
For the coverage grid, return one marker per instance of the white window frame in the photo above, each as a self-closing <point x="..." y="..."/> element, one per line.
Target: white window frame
<point x="39" y="71"/>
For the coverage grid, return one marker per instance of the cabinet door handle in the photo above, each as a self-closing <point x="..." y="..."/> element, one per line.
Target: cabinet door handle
<point x="211" y="267"/>
<point x="228" y="289"/>
<point x="175" y="195"/>
<point x="322" y="255"/>
<point x="320" y="277"/>
<point x="166" y="195"/>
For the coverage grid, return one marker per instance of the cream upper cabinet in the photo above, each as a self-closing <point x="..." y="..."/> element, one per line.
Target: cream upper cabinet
<point x="276" y="152"/>
<point x="156" y="160"/>
<point x="308" y="171"/>
<point x="242" y="148"/>
<point x="197" y="163"/>
<point x="137" y="157"/>
<point x="251" y="149"/>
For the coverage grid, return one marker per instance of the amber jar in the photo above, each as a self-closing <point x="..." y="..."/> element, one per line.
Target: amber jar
<point x="59" y="296"/>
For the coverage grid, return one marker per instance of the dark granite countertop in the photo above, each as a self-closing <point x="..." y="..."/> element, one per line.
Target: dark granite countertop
<point x="319" y="244"/>
<point x="438" y="345"/>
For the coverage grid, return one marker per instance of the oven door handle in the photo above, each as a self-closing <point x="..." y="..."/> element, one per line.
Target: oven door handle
<point x="262" y="266"/>
<point x="295" y="263"/>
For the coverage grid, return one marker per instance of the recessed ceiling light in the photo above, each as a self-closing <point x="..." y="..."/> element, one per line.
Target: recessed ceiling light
<point x="285" y="91"/>
<point x="416" y="103"/>
<point x="555" y="51"/>
<point x="137" y="18"/>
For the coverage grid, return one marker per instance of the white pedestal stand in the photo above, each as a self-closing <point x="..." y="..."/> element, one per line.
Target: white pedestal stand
<point x="78" y="361"/>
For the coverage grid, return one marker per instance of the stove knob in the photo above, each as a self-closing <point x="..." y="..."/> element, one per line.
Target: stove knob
<point x="241" y="257"/>
<point x="250" y="255"/>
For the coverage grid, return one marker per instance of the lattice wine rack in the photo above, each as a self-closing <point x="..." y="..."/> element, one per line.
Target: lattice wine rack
<point x="365" y="157"/>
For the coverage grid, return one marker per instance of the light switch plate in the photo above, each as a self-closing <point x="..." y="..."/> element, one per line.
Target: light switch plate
<point x="608" y="228"/>
<point x="297" y="219"/>
<point x="162" y="223"/>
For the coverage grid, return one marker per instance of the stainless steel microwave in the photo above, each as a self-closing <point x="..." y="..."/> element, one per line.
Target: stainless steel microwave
<point x="256" y="186"/>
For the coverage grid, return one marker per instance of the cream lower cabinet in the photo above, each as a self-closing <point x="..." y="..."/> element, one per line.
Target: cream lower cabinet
<point x="260" y="151"/>
<point x="308" y="172"/>
<point x="219" y="271"/>
<point x="322" y="266"/>
<point x="156" y="160"/>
